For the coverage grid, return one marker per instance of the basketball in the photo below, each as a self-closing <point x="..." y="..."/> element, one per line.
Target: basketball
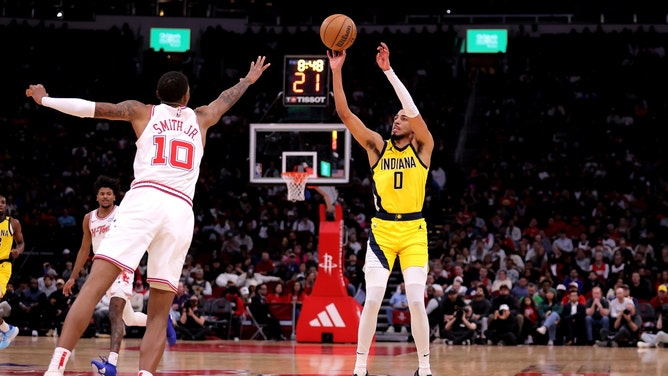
<point x="338" y="32"/>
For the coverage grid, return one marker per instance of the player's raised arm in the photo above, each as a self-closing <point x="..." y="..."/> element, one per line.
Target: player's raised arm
<point x="370" y="140"/>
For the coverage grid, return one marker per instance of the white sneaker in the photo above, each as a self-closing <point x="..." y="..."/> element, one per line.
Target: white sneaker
<point x="643" y="345"/>
<point x="53" y="373"/>
<point x="404" y="330"/>
<point x="390" y="329"/>
<point x="541" y="330"/>
<point x="550" y="343"/>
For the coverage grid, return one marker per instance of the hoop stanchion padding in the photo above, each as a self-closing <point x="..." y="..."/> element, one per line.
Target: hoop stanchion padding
<point x="329" y="314"/>
<point x="296" y="182"/>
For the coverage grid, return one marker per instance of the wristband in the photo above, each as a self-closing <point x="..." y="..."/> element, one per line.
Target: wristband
<point x="404" y="97"/>
<point x="71" y="106"/>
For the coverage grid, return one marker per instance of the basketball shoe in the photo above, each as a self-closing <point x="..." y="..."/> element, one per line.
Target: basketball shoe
<point x="171" y="333"/>
<point x="103" y="367"/>
<point x="8" y="336"/>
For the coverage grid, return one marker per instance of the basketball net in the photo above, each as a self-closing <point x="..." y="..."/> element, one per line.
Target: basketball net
<point x="296" y="182"/>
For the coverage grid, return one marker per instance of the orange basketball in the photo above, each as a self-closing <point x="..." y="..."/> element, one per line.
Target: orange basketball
<point x="338" y="32"/>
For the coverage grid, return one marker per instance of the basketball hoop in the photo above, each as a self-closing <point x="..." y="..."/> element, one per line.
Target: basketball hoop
<point x="296" y="182"/>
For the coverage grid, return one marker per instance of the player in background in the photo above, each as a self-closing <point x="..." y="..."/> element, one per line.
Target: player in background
<point x="10" y="234"/>
<point x="95" y="225"/>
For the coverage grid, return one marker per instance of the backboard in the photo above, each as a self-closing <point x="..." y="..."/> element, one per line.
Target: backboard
<point x="280" y="147"/>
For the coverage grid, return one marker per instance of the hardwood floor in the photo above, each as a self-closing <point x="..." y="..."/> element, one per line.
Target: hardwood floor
<point x="30" y="356"/>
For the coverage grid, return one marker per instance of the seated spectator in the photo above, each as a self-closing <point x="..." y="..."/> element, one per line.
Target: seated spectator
<point x="573" y="286"/>
<point x="660" y="298"/>
<point x="460" y="328"/>
<point x="502" y="327"/>
<point x="229" y="276"/>
<point x="200" y="286"/>
<point x="255" y="279"/>
<point x="434" y="308"/>
<point x="457" y="286"/>
<point x="505" y="298"/>
<point x="640" y="288"/>
<point x="101" y="317"/>
<point x="572" y="318"/>
<point x="529" y="310"/>
<point x="278" y="295"/>
<point x="192" y="323"/>
<point x="180" y="298"/>
<point x="625" y="329"/>
<point x="658" y="335"/>
<point x="549" y="311"/>
<point x="238" y="311"/>
<point x="398" y="302"/>
<point x="597" y="311"/>
<point x="265" y="265"/>
<point x="501" y="279"/>
<point x="481" y="307"/>
<point x="260" y="310"/>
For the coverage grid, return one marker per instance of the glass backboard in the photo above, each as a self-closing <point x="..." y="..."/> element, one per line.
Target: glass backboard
<point x="323" y="149"/>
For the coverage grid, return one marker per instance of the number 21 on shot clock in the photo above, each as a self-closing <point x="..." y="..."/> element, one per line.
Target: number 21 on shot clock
<point x="306" y="80"/>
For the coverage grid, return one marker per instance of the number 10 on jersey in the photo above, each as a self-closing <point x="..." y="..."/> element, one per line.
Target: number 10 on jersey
<point x="306" y="80"/>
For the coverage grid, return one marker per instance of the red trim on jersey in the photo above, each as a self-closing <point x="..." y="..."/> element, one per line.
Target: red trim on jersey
<point x="162" y="282"/>
<point x="113" y="261"/>
<point x="163" y="188"/>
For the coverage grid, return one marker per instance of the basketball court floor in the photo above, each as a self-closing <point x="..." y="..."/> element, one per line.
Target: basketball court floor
<point x="29" y="356"/>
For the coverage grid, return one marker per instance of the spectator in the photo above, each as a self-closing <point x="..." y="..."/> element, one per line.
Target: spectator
<point x="657" y="336"/>
<point x="278" y="295"/>
<point x="101" y="317"/>
<point x="460" y="328"/>
<point x="501" y="279"/>
<point x="260" y="309"/>
<point x="481" y="307"/>
<point x="504" y="298"/>
<point x="640" y="287"/>
<point x="237" y="312"/>
<point x="192" y="323"/>
<point x="520" y="289"/>
<point x="597" y="311"/>
<point x="398" y="302"/>
<point x="434" y="308"/>
<point x="503" y="328"/>
<point x="529" y="310"/>
<point x="200" y="286"/>
<point x="573" y="318"/>
<point x="625" y="329"/>
<point x="573" y="286"/>
<point x="180" y="298"/>
<point x="660" y="298"/>
<point x="549" y="311"/>
<point x="251" y="278"/>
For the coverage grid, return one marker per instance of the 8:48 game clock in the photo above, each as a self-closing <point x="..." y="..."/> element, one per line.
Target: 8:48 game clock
<point x="306" y="80"/>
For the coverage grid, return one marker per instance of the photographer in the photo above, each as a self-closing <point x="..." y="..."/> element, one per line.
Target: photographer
<point x="191" y="324"/>
<point x="627" y="329"/>
<point x="657" y="336"/>
<point x="460" y="328"/>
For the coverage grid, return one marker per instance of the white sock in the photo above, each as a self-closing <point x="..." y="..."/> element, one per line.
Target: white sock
<point x="144" y="373"/>
<point x="59" y="359"/>
<point x="113" y="358"/>
<point x="4" y="326"/>
<point x="367" y="327"/>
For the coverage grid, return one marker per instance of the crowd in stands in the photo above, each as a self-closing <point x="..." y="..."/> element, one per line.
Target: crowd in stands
<point x="563" y="181"/>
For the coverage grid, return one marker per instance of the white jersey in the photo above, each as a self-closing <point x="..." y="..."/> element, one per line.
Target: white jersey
<point x="169" y="152"/>
<point x="99" y="227"/>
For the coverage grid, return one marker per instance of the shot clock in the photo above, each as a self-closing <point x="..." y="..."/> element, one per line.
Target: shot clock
<point x="306" y="80"/>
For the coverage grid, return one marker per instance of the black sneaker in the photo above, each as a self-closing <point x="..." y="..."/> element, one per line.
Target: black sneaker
<point x="417" y="373"/>
<point x="367" y="374"/>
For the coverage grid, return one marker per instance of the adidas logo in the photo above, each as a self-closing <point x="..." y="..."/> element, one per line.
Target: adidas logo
<point x="328" y="318"/>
